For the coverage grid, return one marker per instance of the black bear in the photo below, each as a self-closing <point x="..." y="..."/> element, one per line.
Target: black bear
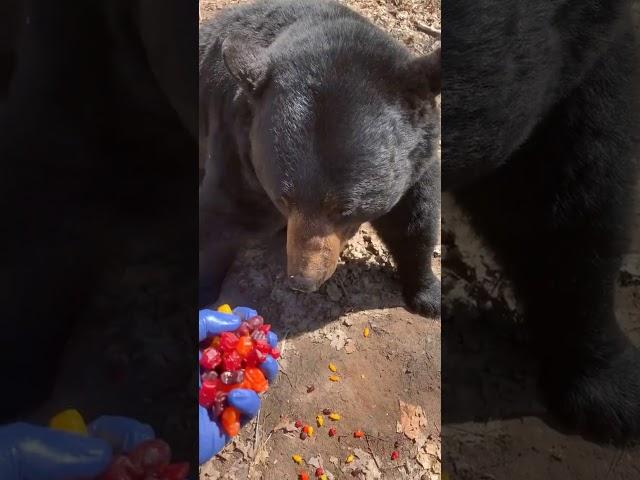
<point x="540" y="130"/>
<point x="314" y="119"/>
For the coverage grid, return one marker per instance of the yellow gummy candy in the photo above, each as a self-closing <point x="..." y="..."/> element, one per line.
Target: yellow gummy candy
<point x="225" y="309"/>
<point x="349" y="459"/>
<point x="297" y="459"/>
<point x="332" y="367"/>
<point x="365" y="332"/>
<point x="323" y="477"/>
<point x="334" y="378"/>
<point x="319" y="420"/>
<point x="69" y="421"/>
<point x="334" y="416"/>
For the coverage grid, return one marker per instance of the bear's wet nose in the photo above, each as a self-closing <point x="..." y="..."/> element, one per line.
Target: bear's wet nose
<point x="302" y="284"/>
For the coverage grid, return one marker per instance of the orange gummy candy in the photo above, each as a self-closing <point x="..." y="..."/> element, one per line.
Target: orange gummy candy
<point x="230" y="420"/>
<point x="245" y="345"/>
<point x="256" y="380"/>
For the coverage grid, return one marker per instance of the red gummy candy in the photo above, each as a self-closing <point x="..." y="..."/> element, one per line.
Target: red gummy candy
<point x="298" y="424"/>
<point x="228" y="341"/>
<point x="121" y="468"/>
<point x="255" y="322"/>
<point x="263" y="347"/>
<point x="265" y="328"/>
<point x="319" y="472"/>
<point x="255" y="358"/>
<point x="175" y="471"/>
<point x="232" y="360"/>
<point x="244" y="329"/>
<point x="210" y="358"/>
<point x="275" y="353"/>
<point x="207" y="393"/>
<point x="332" y="432"/>
<point x="151" y="455"/>
<point x="394" y="455"/>
<point x="244" y="346"/>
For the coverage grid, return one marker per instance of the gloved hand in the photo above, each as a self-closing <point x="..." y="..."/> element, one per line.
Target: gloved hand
<point x="30" y="452"/>
<point x="247" y="402"/>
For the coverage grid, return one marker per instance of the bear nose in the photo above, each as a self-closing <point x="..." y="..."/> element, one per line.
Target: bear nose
<point x="301" y="284"/>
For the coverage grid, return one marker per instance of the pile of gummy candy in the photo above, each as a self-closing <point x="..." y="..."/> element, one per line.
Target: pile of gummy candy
<point x="231" y="360"/>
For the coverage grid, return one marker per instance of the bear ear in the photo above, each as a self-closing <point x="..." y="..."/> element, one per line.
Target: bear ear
<point x="246" y="60"/>
<point x="423" y="75"/>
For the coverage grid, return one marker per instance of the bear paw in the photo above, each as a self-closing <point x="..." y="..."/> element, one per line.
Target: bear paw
<point x="601" y="402"/>
<point x="424" y="300"/>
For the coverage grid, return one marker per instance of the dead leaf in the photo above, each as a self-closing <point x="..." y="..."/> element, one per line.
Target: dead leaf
<point x="412" y="419"/>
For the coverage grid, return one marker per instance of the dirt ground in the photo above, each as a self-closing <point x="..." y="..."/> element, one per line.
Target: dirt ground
<point x="398" y="362"/>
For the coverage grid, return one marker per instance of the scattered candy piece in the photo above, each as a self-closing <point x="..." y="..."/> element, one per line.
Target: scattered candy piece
<point x="332" y="432"/>
<point x="225" y="308"/>
<point x="69" y="421"/>
<point x="308" y="429"/>
<point x="303" y="435"/>
<point x="334" y="378"/>
<point x="326" y="411"/>
<point x="333" y="368"/>
<point x="366" y="332"/>
<point x="319" y="472"/>
<point x="319" y="420"/>
<point x="323" y="477"/>
<point x="303" y="476"/>
<point x="297" y="459"/>
<point x="311" y="388"/>
<point x="358" y="434"/>
<point x="394" y="455"/>
<point x="298" y="424"/>
<point x="334" y="416"/>
<point x="349" y="459"/>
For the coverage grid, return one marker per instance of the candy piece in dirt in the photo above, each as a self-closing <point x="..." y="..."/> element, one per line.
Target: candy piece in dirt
<point x="207" y="393"/>
<point x="297" y="459"/>
<point x="323" y="476"/>
<point x="69" y="421"/>
<point x="326" y="411"/>
<point x="349" y="458"/>
<point x="366" y="332"/>
<point x="244" y="346"/>
<point x="121" y="468"/>
<point x="231" y="360"/>
<point x="319" y="420"/>
<point x="151" y="455"/>
<point x="228" y="341"/>
<point x="319" y="472"/>
<point x="394" y="455"/>
<point x="358" y="434"/>
<point x="256" y="380"/>
<point x="334" y="416"/>
<point x="175" y="471"/>
<point x="303" y="435"/>
<point x="210" y="358"/>
<point x="230" y="420"/>
<point x="332" y="432"/>
<point x="334" y="378"/>
<point x="308" y="429"/>
<point x="303" y="476"/>
<point x="225" y="308"/>
<point x="333" y="368"/>
<point x="298" y="424"/>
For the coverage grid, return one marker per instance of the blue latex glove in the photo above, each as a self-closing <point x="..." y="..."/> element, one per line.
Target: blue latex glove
<point x="30" y="452"/>
<point x="247" y="402"/>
